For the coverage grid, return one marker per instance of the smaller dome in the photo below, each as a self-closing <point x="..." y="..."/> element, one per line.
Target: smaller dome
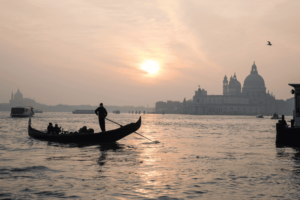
<point x="18" y="95"/>
<point x="234" y="83"/>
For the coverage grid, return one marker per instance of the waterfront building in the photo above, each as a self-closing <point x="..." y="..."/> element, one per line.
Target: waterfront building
<point x="171" y="107"/>
<point x="251" y="99"/>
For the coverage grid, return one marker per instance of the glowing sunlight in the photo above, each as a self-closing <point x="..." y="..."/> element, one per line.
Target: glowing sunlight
<point x="150" y="66"/>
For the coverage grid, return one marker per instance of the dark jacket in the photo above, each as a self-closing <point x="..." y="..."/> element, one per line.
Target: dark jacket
<point x="56" y="129"/>
<point x="101" y="112"/>
<point x="50" y="129"/>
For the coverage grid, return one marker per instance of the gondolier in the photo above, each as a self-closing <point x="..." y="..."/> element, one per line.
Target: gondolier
<point x="102" y="113"/>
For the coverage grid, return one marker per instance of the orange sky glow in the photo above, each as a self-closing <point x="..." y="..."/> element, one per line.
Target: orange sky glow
<point x="90" y="51"/>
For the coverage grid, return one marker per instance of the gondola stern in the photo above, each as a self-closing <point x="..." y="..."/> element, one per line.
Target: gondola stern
<point x="29" y="122"/>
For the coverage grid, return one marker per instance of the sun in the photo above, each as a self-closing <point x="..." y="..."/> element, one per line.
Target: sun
<point x="150" y="66"/>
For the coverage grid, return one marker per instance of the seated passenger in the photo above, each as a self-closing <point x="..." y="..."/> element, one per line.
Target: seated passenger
<point x="83" y="130"/>
<point x="57" y="129"/>
<point x="50" y="128"/>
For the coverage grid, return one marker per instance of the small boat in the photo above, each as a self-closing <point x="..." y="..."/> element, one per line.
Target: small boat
<point x="259" y="116"/>
<point x="37" y="111"/>
<point x="21" y="112"/>
<point x="84" y="112"/>
<point x="116" y="111"/>
<point x="101" y="137"/>
<point x="275" y="116"/>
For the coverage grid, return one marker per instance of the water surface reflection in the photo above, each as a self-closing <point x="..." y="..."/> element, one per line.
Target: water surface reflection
<point x="207" y="157"/>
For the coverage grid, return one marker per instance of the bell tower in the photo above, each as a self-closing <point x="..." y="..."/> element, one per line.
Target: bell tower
<point x="225" y="85"/>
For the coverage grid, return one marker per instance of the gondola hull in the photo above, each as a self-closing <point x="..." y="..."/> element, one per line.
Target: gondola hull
<point x="102" y="137"/>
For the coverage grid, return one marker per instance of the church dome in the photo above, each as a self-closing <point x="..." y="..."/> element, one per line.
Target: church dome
<point x="234" y="86"/>
<point x="18" y="95"/>
<point x="254" y="80"/>
<point x="234" y="83"/>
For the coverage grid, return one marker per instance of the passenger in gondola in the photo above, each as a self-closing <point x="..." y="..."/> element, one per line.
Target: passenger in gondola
<point x="50" y="128"/>
<point x="102" y="113"/>
<point x="57" y="129"/>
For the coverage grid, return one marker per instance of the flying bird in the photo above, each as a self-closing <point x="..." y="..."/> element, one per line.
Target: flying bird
<point x="269" y="43"/>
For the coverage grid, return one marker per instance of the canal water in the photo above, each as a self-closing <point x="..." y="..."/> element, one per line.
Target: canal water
<point x="198" y="157"/>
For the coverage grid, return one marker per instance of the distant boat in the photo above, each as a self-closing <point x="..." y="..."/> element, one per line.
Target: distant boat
<point x="275" y="116"/>
<point x="259" y="116"/>
<point x="84" y="112"/>
<point x="116" y="111"/>
<point x="37" y="111"/>
<point x="21" y="112"/>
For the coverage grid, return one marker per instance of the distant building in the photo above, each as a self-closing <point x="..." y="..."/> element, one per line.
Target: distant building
<point x="252" y="99"/>
<point x="168" y="107"/>
<point x="18" y="100"/>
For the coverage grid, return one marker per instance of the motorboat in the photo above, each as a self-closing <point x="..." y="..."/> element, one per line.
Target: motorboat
<point x="84" y="112"/>
<point x="275" y="116"/>
<point x="259" y="116"/>
<point x="21" y="112"/>
<point x="37" y="111"/>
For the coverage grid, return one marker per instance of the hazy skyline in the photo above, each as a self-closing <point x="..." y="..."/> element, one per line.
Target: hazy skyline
<point x="91" y="51"/>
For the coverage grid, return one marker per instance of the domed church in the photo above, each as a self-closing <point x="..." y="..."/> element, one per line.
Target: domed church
<point x="18" y="100"/>
<point x="252" y="99"/>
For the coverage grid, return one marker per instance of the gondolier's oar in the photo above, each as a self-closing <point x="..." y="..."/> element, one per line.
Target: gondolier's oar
<point x="134" y="131"/>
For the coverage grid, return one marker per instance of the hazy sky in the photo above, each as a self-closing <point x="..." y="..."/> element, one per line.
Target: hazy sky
<point x="91" y="51"/>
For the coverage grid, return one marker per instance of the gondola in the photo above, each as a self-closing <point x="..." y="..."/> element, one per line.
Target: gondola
<point x="101" y="137"/>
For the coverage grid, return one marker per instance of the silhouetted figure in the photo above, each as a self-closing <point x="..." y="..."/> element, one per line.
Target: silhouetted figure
<point x="269" y="43"/>
<point x="102" y="113"/>
<point x="283" y="122"/>
<point x="50" y="128"/>
<point x="56" y="129"/>
<point x="83" y="130"/>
